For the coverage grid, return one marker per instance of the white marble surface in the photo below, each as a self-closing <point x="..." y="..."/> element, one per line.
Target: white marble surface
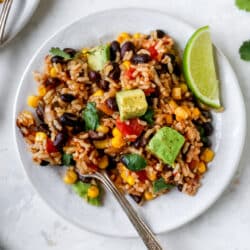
<point x="26" y="223"/>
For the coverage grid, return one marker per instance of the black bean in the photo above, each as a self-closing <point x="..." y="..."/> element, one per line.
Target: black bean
<point x="160" y="33"/>
<point x="136" y="198"/>
<point x="206" y="114"/>
<point x="70" y="51"/>
<point x="60" y="140"/>
<point x="114" y="48"/>
<point x="140" y="142"/>
<point x="112" y="163"/>
<point x="67" y="97"/>
<point x="162" y="69"/>
<point x="52" y="81"/>
<point x="103" y="84"/>
<point x="68" y="119"/>
<point x="94" y="76"/>
<point x="43" y="127"/>
<point x="167" y="168"/>
<point x="208" y="128"/>
<point x="79" y="127"/>
<point x="140" y="58"/>
<point x="127" y="46"/>
<point x="171" y="56"/>
<point x="96" y="135"/>
<point x="206" y="141"/>
<point x="177" y="69"/>
<point x="115" y="72"/>
<point x="180" y="187"/>
<point x="57" y="59"/>
<point x="85" y="179"/>
<point x="40" y="111"/>
<point x="111" y="102"/>
<point x="44" y="163"/>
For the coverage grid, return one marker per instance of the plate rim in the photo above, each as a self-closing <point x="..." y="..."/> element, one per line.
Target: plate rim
<point x="128" y="235"/>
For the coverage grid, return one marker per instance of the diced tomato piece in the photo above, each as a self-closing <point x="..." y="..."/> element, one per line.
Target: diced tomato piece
<point x="130" y="127"/>
<point x="93" y="167"/>
<point x="142" y="175"/>
<point x="149" y="91"/>
<point x="129" y="73"/>
<point x="50" y="147"/>
<point x="153" y="52"/>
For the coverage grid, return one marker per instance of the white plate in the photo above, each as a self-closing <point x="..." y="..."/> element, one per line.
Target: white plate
<point x="20" y="14"/>
<point x="169" y="211"/>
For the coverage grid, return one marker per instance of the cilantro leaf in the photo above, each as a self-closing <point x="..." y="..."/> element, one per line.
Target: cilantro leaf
<point x="245" y="51"/>
<point x="90" y="116"/>
<point x="148" y="116"/>
<point x="67" y="159"/>
<point x="160" y="185"/>
<point x="134" y="162"/>
<point x="243" y="4"/>
<point x="58" y="52"/>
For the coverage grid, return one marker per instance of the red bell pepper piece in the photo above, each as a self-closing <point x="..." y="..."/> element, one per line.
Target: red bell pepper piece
<point x="50" y="147"/>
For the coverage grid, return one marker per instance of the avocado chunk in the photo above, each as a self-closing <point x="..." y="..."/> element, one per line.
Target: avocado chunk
<point x="166" y="144"/>
<point x="98" y="57"/>
<point x="131" y="103"/>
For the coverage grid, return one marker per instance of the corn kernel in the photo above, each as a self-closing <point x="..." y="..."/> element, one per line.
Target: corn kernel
<point x="184" y="88"/>
<point x="137" y="35"/>
<point x="104" y="162"/>
<point x="40" y="136"/>
<point x="102" y="144"/>
<point x="181" y="114"/>
<point x="123" y="37"/>
<point x="126" y="64"/>
<point x="187" y="109"/>
<point x="202" y="167"/>
<point x="176" y="93"/>
<point x="84" y="51"/>
<point x="207" y="155"/>
<point x="53" y="72"/>
<point x="93" y="192"/>
<point x="99" y="92"/>
<point x="102" y="129"/>
<point x="173" y="104"/>
<point x="116" y="132"/>
<point x="70" y="177"/>
<point x="42" y="90"/>
<point x="196" y="113"/>
<point x="131" y="180"/>
<point x="124" y="175"/>
<point x="32" y="101"/>
<point x="152" y="176"/>
<point x="117" y="142"/>
<point x="169" y="119"/>
<point x="148" y="195"/>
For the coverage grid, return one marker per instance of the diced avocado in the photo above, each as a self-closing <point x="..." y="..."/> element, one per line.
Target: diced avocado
<point x="98" y="57"/>
<point x="166" y="144"/>
<point x="131" y="103"/>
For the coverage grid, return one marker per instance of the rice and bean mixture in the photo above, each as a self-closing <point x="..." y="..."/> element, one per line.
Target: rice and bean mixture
<point x="79" y="122"/>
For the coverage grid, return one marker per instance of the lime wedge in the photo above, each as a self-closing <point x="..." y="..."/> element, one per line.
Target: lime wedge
<point x="199" y="69"/>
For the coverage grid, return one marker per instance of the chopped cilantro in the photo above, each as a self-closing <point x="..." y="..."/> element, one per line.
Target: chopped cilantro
<point x="243" y="4"/>
<point x="59" y="52"/>
<point x="245" y="51"/>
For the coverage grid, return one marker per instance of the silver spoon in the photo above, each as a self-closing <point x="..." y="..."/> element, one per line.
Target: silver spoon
<point x="143" y="230"/>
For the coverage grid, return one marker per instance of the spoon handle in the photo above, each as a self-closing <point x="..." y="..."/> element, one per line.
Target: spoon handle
<point x="143" y="230"/>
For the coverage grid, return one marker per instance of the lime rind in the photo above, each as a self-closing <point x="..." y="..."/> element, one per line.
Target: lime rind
<point x="212" y="98"/>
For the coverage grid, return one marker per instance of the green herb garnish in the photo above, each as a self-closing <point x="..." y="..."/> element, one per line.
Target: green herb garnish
<point x="161" y="185"/>
<point x="67" y="159"/>
<point x="245" y="51"/>
<point x="58" y="52"/>
<point x="90" y="116"/>
<point x="148" y="116"/>
<point x="134" y="162"/>
<point x="243" y="4"/>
